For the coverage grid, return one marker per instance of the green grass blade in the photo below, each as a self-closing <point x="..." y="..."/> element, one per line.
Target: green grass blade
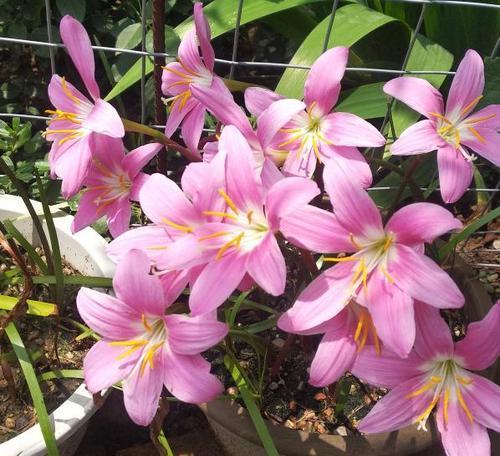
<point x="164" y="443"/>
<point x="25" y="244"/>
<point x="34" y="387"/>
<point x="88" y="281"/>
<point x="60" y="373"/>
<point x="447" y="248"/>
<point x="36" y="308"/>
<point x="259" y="423"/>
<point x="236" y="308"/>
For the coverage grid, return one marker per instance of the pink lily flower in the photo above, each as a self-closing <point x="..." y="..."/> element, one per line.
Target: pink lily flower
<point x="452" y="130"/>
<point x="387" y="269"/>
<point x="244" y="240"/>
<point x="142" y="346"/>
<point x="112" y="181"/>
<point x="193" y="68"/>
<point x="77" y="120"/>
<point x="314" y="134"/>
<point x="437" y="374"/>
<point x="345" y="335"/>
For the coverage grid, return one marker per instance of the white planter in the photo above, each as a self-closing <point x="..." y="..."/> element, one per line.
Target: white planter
<point x="85" y="252"/>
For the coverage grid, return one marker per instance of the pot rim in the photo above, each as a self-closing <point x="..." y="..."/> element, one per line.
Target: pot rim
<point x="91" y="258"/>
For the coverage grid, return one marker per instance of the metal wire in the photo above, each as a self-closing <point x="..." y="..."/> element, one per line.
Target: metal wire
<point x="48" y="17"/>
<point x="236" y="39"/>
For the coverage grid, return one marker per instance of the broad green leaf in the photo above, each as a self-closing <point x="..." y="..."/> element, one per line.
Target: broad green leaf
<point x="37" y="308"/>
<point x="34" y="388"/>
<point x="60" y="373"/>
<point x="75" y="8"/>
<point x="367" y="101"/>
<point x="221" y="15"/>
<point x="129" y="37"/>
<point x="351" y="24"/>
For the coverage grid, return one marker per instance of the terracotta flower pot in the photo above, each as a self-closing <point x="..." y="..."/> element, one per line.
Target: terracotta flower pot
<point x="85" y="252"/>
<point x="235" y="431"/>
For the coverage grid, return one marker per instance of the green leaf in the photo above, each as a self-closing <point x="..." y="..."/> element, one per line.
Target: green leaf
<point x="35" y="391"/>
<point x="129" y="37"/>
<point x="367" y="101"/>
<point x="447" y="248"/>
<point x="60" y="373"/>
<point x="259" y="423"/>
<point x="221" y="15"/>
<point x="36" y="308"/>
<point x="75" y="8"/>
<point x="351" y="24"/>
<point x="491" y="94"/>
<point x="88" y="281"/>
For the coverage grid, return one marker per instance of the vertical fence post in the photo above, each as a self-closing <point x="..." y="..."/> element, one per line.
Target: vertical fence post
<point x="159" y="62"/>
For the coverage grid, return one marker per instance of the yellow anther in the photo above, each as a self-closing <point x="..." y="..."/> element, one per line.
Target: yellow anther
<point x="235" y="241"/>
<point x="462" y="403"/>
<point x="428" y="410"/>
<point x="340" y="259"/>
<point x="440" y="116"/>
<point x="471" y="105"/>
<point x="353" y="241"/>
<point x="388" y="242"/>
<point x="463" y="380"/>
<point x="186" y="229"/>
<point x="213" y="235"/>
<point x="178" y="73"/>
<point x="157" y="247"/>
<point x="249" y="217"/>
<point x="427" y="386"/>
<point x="228" y="200"/>
<point x="220" y="214"/>
<point x="446" y="400"/>
<point x="145" y="323"/>
<point x="479" y="119"/>
<point x="316" y="149"/>
<point x="387" y="275"/>
<point x="480" y="138"/>
<point x="68" y="93"/>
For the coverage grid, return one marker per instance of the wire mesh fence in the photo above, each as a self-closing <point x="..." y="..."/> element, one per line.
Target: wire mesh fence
<point x="233" y="63"/>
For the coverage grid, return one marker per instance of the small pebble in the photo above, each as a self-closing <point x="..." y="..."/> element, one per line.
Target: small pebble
<point x="10" y="422"/>
<point x="320" y="396"/>
<point x="278" y="343"/>
<point x="341" y="430"/>
<point x="300" y="386"/>
<point x="496" y="244"/>
<point x="273" y="386"/>
<point x="492" y="277"/>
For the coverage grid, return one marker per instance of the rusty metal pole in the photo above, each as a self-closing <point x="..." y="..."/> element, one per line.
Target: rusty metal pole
<point x="159" y="62"/>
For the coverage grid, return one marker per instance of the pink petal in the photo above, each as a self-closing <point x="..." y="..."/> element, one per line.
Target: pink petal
<point x="353" y="207"/>
<point x="108" y="154"/>
<point x="216" y="283"/>
<point x="188" y="378"/>
<point x="396" y="409"/>
<point x="386" y="369"/>
<point x="138" y="158"/>
<point x="77" y="42"/>
<point x="193" y="335"/>
<point x="299" y="164"/>
<point x="73" y="165"/>
<point x="419" y="138"/>
<point x="392" y="313"/>
<point x="203" y="34"/>
<point x="481" y="346"/>
<point x="134" y="285"/>
<point x="61" y="100"/>
<point x="176" y="114"/>
<point x="335" y="324"/>
<point x="242" y="185"/>
<point x="323" y="298"/>
<point x="488" y="147"/>
<point x="87" y="212"/>
<point x="162" y="199"/>
<point x="288" y="195"/>
<point x="152" y="239"/>
<point x="417" y="93"/>
<point x="173" y="283"/>
<point x="322" y="85"/>
<point x="275" y="117"/>
<point x="334" y="357"/>
<point x="493" y="114"/>
<point x="258" y="99"/>
<point x="270" y="174"/>
<point x="106" y="315"/>
<point x="219" y="101"/>
<point x="467" y="84"/>
<point x="135" y="190"/>
<point x="192" y="128"/>
<point x="267" y="267"/>
<point x="345" y="129"/>
<point x="141" y="391"/>
<point x="483" y="399"/>
<point x="105" y="120"/>
<point x="350" y="161"/>
<point x="420" y="277"/>
<point x="101" y="367"/>
<point x="433" y="337"/>
<point x="455" y="173"/>
<point x="421" y="222"/>
<point x="459" y="436"/>
<point x="118" y="215"/>
<point x="184" y="252"/>
<point x="189" y="54"/>
<point x="315" y="229"/>
<point x="246" y="283"/>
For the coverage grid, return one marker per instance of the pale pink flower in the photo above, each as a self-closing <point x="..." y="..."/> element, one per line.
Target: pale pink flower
<point x="143" y="347"/>
<point x="299" y="138"/>
<point x="452" y="130"/>
<point x="194" y="68"/>
<point x="387" y="269"/>
<point x="114" y="178"/>
<point x="76" y="119"/>
<point x="437" y="375"/>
